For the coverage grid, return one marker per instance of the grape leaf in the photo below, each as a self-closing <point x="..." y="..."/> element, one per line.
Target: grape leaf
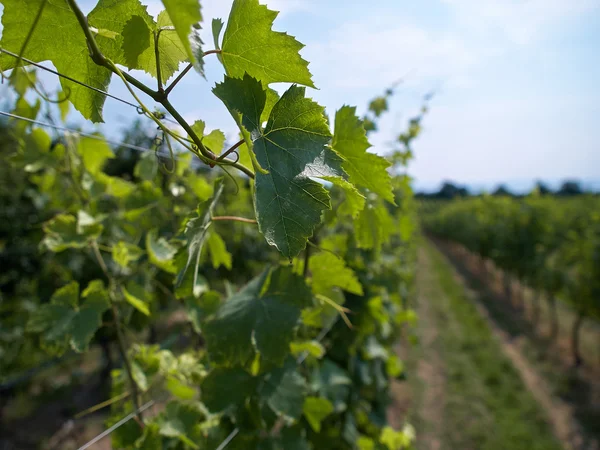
<point x="262" y="317"/>
<point x="133" y="46"/>
<point x="94" y="153"/>
<point x="354" y="202"/>
<point x="330" y="271"/>
<point x="364" y="169"/>
<point x="312" y="348"/>
<point x="251" y="46"/>
<point x="185" y="14"/>
<point x="292" y="147"/>
<point x="160" y="252"/>
<point x="373" y="227"/>
<point x="135" y="296"/>
<point x="178" y="421"/>
<point x="67" y="321"/>
<point x="283" y="390"/>
<point x="57" y="38"/>
<point x="316" y="409"/>
<point x="218" y="251"/>
<point x="195" y="231"/>
<point x="214" y="140"/>
<point x="201" y="306"/>
<point x="217" y="27"/>
<point x="225" y="389"/>
<point x="65" y="231"/>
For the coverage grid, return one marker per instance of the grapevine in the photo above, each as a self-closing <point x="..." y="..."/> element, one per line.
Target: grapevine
<point x="291" y="252"/>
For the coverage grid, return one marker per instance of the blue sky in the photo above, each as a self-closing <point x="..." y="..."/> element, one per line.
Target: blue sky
<point x="516" y="80"/>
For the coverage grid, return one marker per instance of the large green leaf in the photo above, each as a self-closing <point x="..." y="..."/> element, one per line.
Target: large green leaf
<point x="262" y="318"/>
<point x="364" y="169"/>
<point x="251" y="46"/>
<point x="57" y="38"/>
<point x="330" y="271"/>
<point x="292" y="148"/>
<point x="66" y="321"/>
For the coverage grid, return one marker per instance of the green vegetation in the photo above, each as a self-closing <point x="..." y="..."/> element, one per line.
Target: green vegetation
<point x="487" y="406"/>
<point x="262" y="248"/>
<point x="549" y="244"/>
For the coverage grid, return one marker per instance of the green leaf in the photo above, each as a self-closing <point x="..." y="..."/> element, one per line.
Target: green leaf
<point x="57" y="38"/>
<point x="94" y="153"/>
<point x="63" y="105"/>
<point x="200" y="307"/>
<point x="330" y="271"/>
<point x="22" y="79"/>
<point x="214" y="141"/>
<point x="160" y="252"/>
<point x="354" y="202"/>
<point x="218" y="251"/>
<point x="185" y="14"/>
<point x="65" y="231"/>
<point x="364" y="169"/>
<point x="378" y="106"/>
<point x="397" y="440"/>
<point x="217" y="27"/>
<point x="133" y="46"/>
<point x="226" y="389"/>
<point x="313" y="348"/>
<point x="316" y="409"/>
<point x="66" y="321"/>
<point x="373" y="227"/>
<point x="251" y="46"/>
<point x="195" y="231"/>
<point x="34" y="154"/>
<point x="262" y="317"/>
<point x="292" y="148"/>
<point x="138" y="375"/>
<point x="179" y="389"/>
<point x="178" y="421"/>
<point x="106" y="33"/>
<point x="134" y="294"/>
<point x="284" y="390"/>
<point x="147" y="167"/>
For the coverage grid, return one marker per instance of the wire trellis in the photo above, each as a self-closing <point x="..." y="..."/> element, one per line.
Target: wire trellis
<point x="85" y="134"/>
<point x="80" y="83"/>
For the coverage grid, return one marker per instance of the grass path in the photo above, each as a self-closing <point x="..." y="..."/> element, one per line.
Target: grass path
<point x="469" y="395"/>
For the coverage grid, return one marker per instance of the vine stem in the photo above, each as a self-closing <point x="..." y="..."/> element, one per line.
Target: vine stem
<point x="157" y="96"/>
<point x="231" y="150"/>
<point x="233" y="219"/>
<point x="120" y="336"/>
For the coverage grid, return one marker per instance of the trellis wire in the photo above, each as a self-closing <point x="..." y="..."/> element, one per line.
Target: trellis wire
<point x="80" y="83"/>
<point x="121" y="422"/>
<point x="83" y="133"/>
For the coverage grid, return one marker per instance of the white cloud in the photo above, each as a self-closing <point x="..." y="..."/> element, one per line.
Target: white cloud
<point x="521" y="21"/>
<point x="372" y="53"/>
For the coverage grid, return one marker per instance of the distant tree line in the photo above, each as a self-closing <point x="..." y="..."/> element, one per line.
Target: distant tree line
<point x="450" y="190"/>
